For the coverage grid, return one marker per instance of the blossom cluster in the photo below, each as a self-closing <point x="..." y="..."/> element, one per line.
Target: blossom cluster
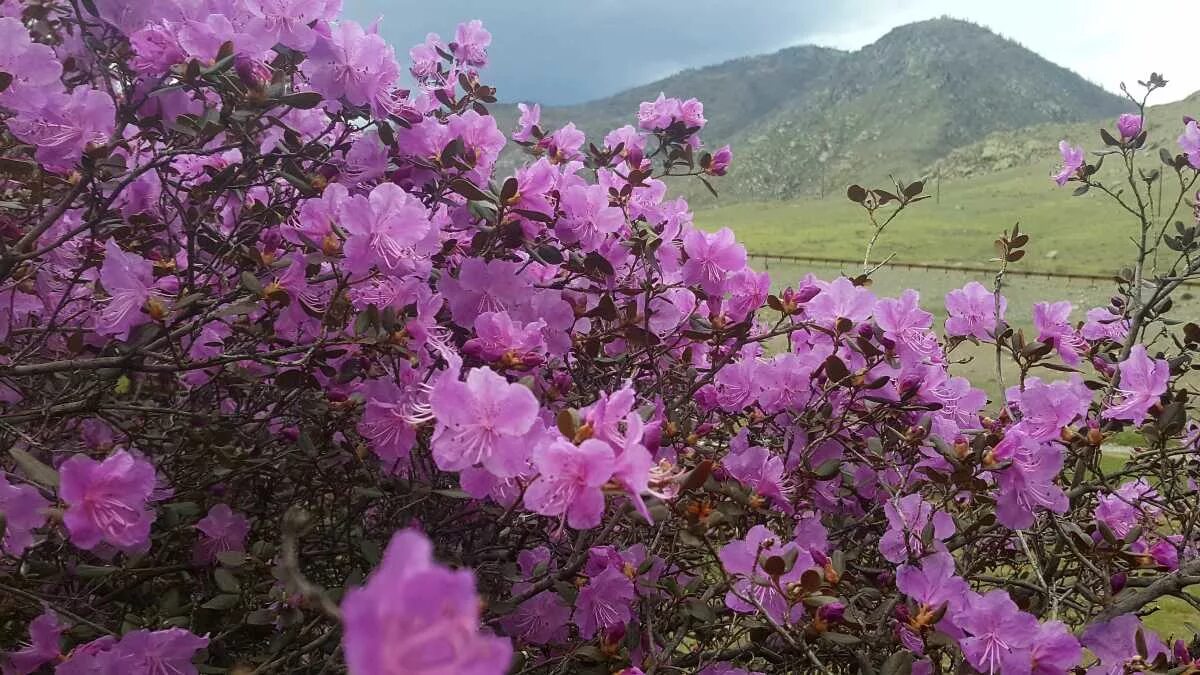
<point x="534" y="416"/>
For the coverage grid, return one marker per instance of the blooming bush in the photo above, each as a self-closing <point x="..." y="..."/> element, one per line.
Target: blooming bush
<point x="292" y="380"/>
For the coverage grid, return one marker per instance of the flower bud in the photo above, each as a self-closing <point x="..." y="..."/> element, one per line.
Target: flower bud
<point x="1129" y="125"/>
<point x="1117" y="582"/>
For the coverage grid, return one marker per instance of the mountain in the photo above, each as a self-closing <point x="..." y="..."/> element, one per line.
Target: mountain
<point x="808" y="119"/>
<point x="1038" y="145"/>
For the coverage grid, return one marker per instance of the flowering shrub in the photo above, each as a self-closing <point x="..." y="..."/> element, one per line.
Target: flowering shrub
<point x="293" y="381"/>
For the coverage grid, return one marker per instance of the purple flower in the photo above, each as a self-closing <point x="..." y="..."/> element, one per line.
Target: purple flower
<point x="499" y="338"/>
<point x="528" y="121"/>
<point x="719" y="164"/>
<point x="1143" y="381"/>
<point x="570" y="481"/>
<point x="1044" y="408"/>
<point x="415" y="616"/>
<point x="659" y="113"/>
<point x="1072" y="162"/>
<point x="483" y="286"/>
<point x="726" y="668"/>
<point x="383" y="229"/>
<point x="588" y="218"/>
<point x="972" y="311"/>
<point x="161" y="651"/>
<point x="604" y="603"/>
<point x="353" y="64"/>
<point x="906" y="325"/>
<point x="482" y="421"/>
<point x="106" y="501"/>
<point x="1052" y="322"/>
<point x="540" y="620"/>
<point x="762" y="471"/>
<point x="563" y="145"/>
<point x="933" y="583"/>
<point x="1189" y="142"/>
<point x="470" y="44"/>
<point x="1129" y="125"/>
<point x="127" y="278"/>
<point x="24" y="510"/>
<point x="1115" y="644"/>
<point x="34" y="67"/>
<point x="744" y="560"/>
<point x="841" y="299"/>
<point x="45" y="632"/>
<point x="1000" y="634"/>
<point x="223" y="529"/>
<point x="1027" y="484"/>
<point x="63" y="128"/>
<point x="711" y="258"/>
<point x="1132" y="503"/>
<point x="1055" y="649"/>
<point x="1102" y="324"/>
<point x="908" y="518"/>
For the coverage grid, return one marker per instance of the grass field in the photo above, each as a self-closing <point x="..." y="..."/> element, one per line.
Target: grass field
<point x="1064" y="231"/>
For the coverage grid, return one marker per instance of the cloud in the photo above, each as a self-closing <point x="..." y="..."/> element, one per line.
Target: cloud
<point x="569" y="51"/>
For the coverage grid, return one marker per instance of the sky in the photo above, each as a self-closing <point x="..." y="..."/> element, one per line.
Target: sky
<point x="571" y="51"/>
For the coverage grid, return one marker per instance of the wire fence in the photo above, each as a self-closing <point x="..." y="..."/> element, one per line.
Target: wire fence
<point x="1045" y="274"/>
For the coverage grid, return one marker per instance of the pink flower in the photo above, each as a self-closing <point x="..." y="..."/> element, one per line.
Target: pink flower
<point x="23" y="509"/>
<point x="63" y="128"/>
<point x="383" y="229"/>
<point x="1114" y="642"/>
<point x="470" y="44"/>
<point x="1027" y="484"/>
<point x="416" y="617"/>
<point x="761" y="470"/>
<point x="353" y="64"/>
<point x="1129" y="125"/>
<point x="107" y="501"/>
<point x="127" y="278"/>
<point x="498" y="338"/>
<point x="223" y="529"/>
<point x="563" y="145"/>
<point x="1052" y="322"/>
<point x="906" y="325"/>
<point x="744" y="559"/>
<point x="841" y="299"/>
<point x="288" y="21"/>
<point x="45" y="633"/>
<point x="972" y="311"/>
<point x="540" y="620"/>
<point x="711" y="258"/>
<point x="160" y="651"/>
<point x="1143" y="381"/>
<point x="909" y="518"/>
<point x="484" y="286"/>
<point x="570" y="481"/>
<point x="1001" y="634"/>
<point x="1072" y="162"/>
<point x="1055" y="650"/>
<point x="1189" y="142"/>
<point x="588" y="218"/>
<point x="1046" y="407"/>
<point x="719" y="164"/>
<point x="604" y="603"/>
<point x="1102" y="324"/>
<point x="482" y="421"/>
<point x="528" y="121"/>
<point x="34" y="67"/>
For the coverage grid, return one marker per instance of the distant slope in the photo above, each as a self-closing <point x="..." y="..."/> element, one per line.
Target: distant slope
<point x="1038" y="145"/>
<point x="808" y="119"/>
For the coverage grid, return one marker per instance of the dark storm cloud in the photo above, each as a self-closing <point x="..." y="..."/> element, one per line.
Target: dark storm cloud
<point x="569" y="51"/>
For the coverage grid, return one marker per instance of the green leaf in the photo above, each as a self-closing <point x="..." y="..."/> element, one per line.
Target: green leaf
<point x="226" y="581"/>
<point x="222" y="602"/>
<point x="34" y="469"/>
<point x="305" y="100"/>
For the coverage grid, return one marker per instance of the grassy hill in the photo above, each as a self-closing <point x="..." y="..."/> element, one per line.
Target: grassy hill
<point x="808" y="120"/>
<point x="985" y="188"/>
